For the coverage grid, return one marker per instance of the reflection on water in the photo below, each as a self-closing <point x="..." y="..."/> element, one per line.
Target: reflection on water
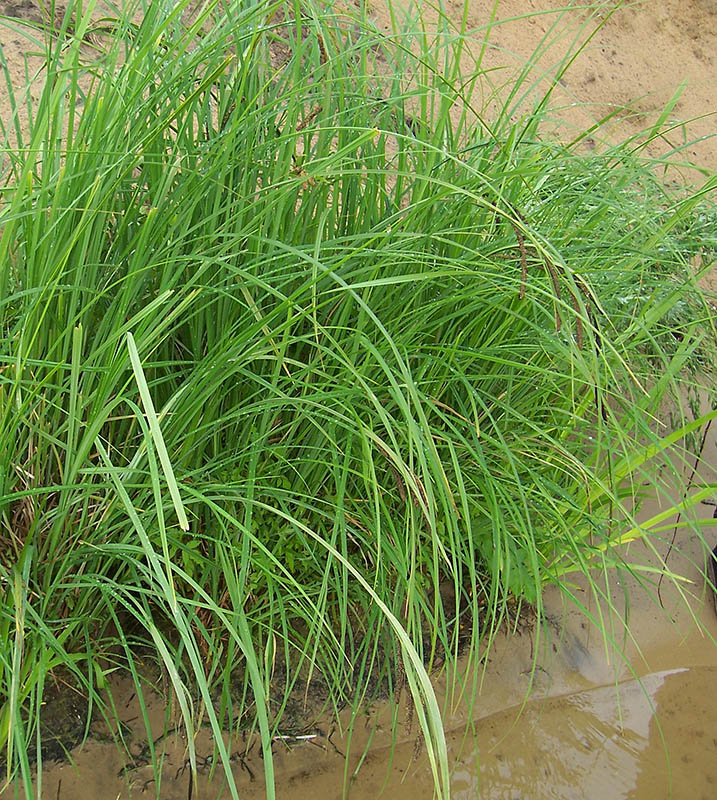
<point x="607" y="742"/>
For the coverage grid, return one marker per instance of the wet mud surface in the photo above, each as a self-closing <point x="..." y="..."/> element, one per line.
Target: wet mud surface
<point x="558" y="713"/>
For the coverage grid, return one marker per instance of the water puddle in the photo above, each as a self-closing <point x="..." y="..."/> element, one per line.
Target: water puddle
<point x="557" y="710"/>
<point x="590" y="729"/>
<point x="633" y="741"/>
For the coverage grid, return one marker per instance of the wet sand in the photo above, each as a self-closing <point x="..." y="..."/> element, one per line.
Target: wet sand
<point x="558" y="713"/>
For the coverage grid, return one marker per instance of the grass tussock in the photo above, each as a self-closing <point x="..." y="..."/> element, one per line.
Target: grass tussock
<point x="291" y="339"/>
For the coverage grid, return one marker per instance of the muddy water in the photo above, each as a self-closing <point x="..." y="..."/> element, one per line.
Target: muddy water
<point x="558" y="711"/>
<point x="605" y="742"/>
<point x="634" y="718"/>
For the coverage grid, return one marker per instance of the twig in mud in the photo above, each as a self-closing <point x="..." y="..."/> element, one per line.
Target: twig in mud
<point x="698" y="458"/>
<point x="249" y="770"/>
<point x="310" y="118"/>
<point x="330" y="740"/>
<point x="318" y="744"/>
<point x="289" y="737"/>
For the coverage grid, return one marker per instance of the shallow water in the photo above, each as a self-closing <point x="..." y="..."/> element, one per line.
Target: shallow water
<point x="644" y="728"/>
<point x="604" y="743"/>
<point x="633" y="718"/>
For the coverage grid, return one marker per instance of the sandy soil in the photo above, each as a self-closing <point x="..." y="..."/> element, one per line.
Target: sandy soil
<point x="639" y="58"/>
<point x="633" y="66"/>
